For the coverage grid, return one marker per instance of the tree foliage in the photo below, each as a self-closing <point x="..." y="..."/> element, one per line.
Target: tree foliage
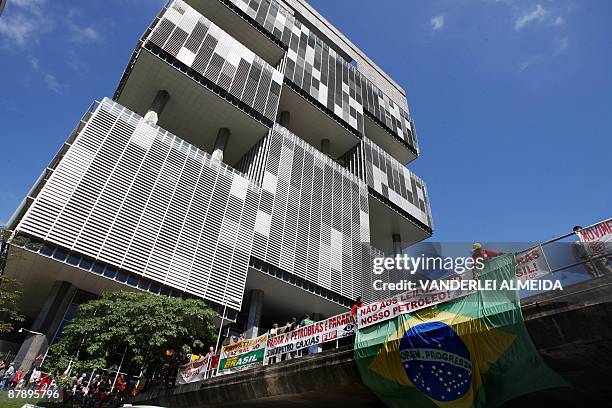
<point x="11" y="290"/>
<point x="139" y="324"/>
<point x="10" y="295"/>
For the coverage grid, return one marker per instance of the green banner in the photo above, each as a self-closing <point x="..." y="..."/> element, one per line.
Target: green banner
<point x="471" y="352"/>
<point x="243" y="355"/>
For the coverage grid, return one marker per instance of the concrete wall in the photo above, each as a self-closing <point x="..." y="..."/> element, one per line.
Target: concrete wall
<point x="572" y="331"/>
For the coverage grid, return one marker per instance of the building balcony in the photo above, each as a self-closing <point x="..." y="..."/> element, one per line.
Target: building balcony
<point x="260" y="25"/>
<point x="388" y="125"/>
<point x="314" y="123"/>
<point x="323" y="76"/>
<point x="398" y="199"/>
<point x="213" y="82"/>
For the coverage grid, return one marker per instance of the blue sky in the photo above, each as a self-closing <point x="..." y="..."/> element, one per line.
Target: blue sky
<point x="512" y="99"/>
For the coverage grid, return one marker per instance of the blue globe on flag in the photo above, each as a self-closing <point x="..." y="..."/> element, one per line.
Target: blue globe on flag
<point x="437" y="361"/>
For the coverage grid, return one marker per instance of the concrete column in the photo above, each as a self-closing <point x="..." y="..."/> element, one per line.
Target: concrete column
<point x="397" y="244"/>
<point x="256" y="298"/>
<point x="157" y="106"/>
<point x="325" y="146"/>
<point x="221" y="144"/>
<point x="285" y="117"/>
<point x="46" y="323"/>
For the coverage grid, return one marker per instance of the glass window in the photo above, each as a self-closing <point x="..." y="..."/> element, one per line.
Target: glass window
<point x="73" y="259"/>
<point x="86" y="263"/>
<point x="98" y="268"/>
<point x="121" y="276"/>
<point x="132" y="280"/>
<point x="110" y="272"/>
<point x="46" y="250"/>
<point x="60" y="254"/>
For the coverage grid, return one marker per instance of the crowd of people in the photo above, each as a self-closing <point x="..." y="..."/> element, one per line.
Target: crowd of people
<point x="32" y="379"/>
<point x="89" y="390"/>
<point x="86" y="390"/>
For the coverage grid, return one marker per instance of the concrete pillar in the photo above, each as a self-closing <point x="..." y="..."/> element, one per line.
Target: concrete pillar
<point x="157" y="106"/>
<point x="285" y="117"/>
<point x="397" y="244"/>
<point x="256" y="298"/>
<point x="394" y="274"/>
<point x="221" y="144"/>
<point x="325" y="146"/>
<point x="46" y="323"/>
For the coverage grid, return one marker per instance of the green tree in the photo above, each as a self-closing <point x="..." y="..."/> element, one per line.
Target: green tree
<point x="10" y="291"/>
<point x="10" y="294"/>
<point x="140" y="325"/>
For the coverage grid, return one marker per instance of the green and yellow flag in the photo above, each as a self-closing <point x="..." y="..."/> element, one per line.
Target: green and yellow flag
<point x="471" y="352"/>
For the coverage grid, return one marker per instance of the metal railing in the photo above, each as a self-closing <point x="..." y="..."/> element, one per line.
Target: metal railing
<point x="554" y="254"/>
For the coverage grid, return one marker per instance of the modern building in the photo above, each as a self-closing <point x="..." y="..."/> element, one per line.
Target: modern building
<point x="251" y="156"/>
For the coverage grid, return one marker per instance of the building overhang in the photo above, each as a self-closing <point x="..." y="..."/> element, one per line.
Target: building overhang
<point x="398" y="148"/>
<point x="37" y="273"/>
<point x="197" y="108"/>
<point x="387" y="219"/>
<point x="312" y="124"/>
<point x="283" y="300"/>
<point x="240" y="26"/>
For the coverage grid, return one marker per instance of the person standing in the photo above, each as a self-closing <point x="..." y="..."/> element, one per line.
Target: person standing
<point x="34" y="377"/>
<point x="482" y="255"/>
<point x="8" y="376"/>
<point x="273" y="332"/>
<point x="17" y="377"/>
<point x="307" y="321"/>
<point x="358" y="303"/>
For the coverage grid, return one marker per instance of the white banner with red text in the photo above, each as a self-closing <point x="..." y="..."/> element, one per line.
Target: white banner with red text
<point x="193" y="371"/>
<point x="597" y="239"/>
<point x="335" y="327"/>
<point x="531" y="264"/>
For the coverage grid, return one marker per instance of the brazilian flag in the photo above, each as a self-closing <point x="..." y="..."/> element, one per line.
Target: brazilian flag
<point x="471" y="352"/>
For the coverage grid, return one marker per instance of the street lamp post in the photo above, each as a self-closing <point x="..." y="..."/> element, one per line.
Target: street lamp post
<point x="35" y="333"/>
<point x="222" y="321"/>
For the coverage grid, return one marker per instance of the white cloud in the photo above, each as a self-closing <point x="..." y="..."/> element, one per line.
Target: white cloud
<point x="437" y="22"/>
<point x="529" y="62"/>
<point x="34" y="63"/>
<point x="50" y="80"/>
<point x="84" y="34"/>
<point x="536" y="15"/>
<point x="559" y="21"/>
<point x="22" y="22"/>
<point x="561" y="44"/>
<point x="30" y="4"/>
<point x="18" y="29"/>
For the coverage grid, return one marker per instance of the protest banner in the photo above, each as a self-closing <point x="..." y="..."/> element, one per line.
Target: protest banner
<point x="403" y="303"/>
<point x="335" y="327"/>
<point x="531" y="264"/>
<point x="193" y="371"/>
<point x="597" y="239"/>
<point x="242" y="355"/>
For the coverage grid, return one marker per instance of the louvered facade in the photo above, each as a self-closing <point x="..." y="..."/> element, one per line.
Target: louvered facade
<point x="210" y="173"/>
